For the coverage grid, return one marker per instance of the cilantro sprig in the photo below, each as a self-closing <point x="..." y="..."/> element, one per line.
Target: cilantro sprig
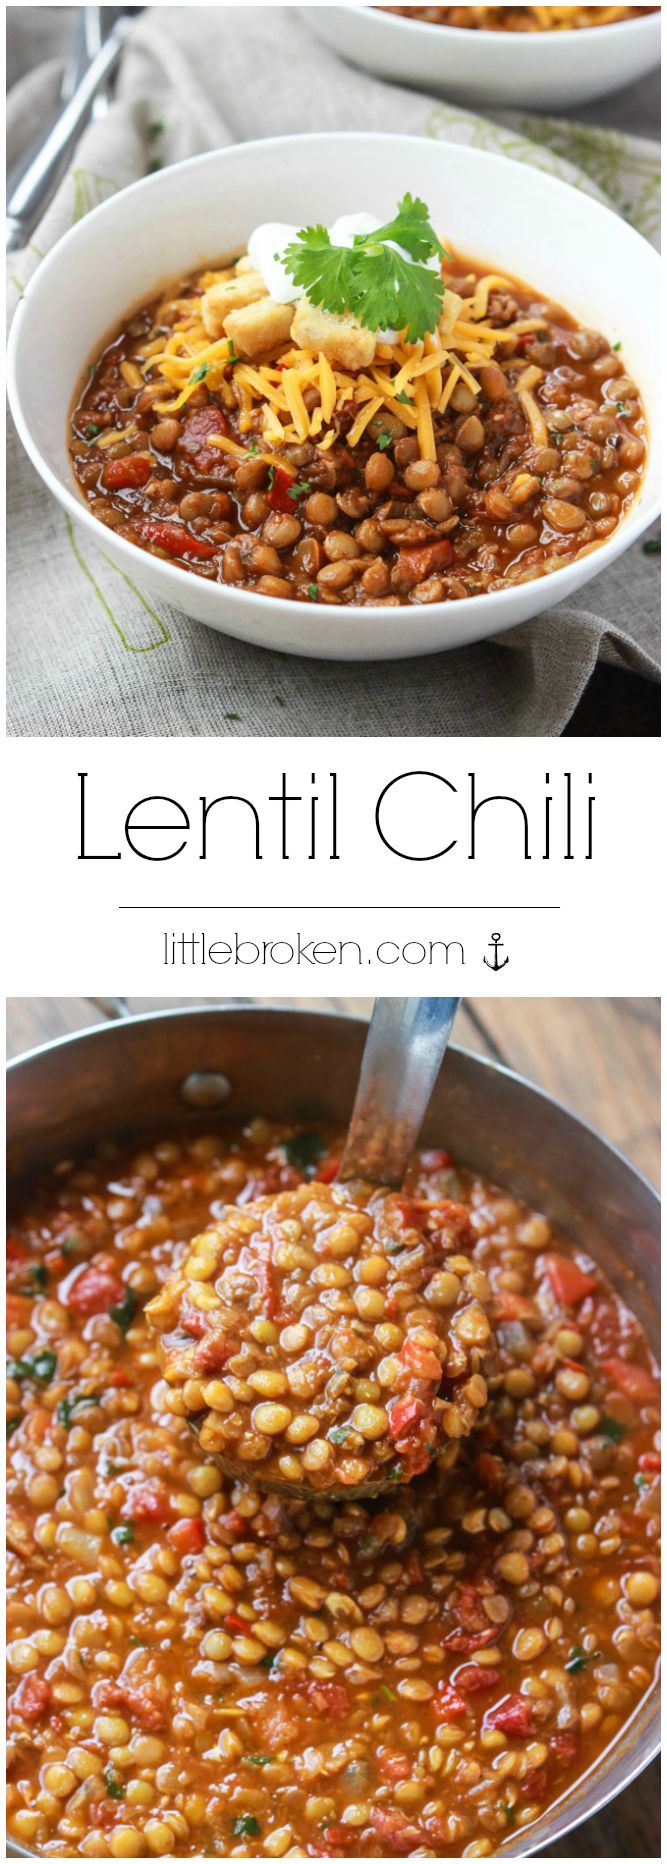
<point x="380" y="286"/>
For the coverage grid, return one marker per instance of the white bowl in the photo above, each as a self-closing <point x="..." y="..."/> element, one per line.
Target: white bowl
<point x="504" y="214"/>
<point x="533" y="70"/>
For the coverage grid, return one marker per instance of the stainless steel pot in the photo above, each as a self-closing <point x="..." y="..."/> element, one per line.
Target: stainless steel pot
<point x="163" y="1069"/>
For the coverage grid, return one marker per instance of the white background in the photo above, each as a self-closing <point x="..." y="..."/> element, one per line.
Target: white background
<point x="68" y="935"/>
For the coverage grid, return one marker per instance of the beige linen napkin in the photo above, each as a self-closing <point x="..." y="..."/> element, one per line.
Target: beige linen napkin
<point x="88" y="654"/>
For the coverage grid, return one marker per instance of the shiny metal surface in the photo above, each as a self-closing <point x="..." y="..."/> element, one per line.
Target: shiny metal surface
<point x="404" y="1050"/>
<point x="127" y="1078"/>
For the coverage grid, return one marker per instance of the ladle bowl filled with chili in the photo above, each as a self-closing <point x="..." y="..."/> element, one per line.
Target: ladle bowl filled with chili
<point x="344" y="433"/>
<point x="464" y="1667"/>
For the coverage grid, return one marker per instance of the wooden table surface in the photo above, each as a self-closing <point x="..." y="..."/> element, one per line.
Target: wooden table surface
<point x="600" y="1056"/>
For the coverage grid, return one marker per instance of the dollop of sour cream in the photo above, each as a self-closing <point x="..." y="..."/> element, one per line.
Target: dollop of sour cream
<point x="269" y="241"/>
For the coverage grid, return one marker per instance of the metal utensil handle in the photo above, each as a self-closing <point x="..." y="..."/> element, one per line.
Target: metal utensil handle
<point x="32" y="190"/>
<point x="404" y="1048"/>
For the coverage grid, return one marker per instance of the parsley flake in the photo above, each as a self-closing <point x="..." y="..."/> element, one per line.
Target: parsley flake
<point x="299" y="490"/>
<point x="313" y="592"/>
<point x="384" y="439"/>
<point x="610" y="1427"/>
<point x="247" y="1826"/>
<point x="115" y="1788"/>
<point x="578" y="1659"/>
<point x="124" y="1313"/>
<point x="39" y="1367"/>
<point x="305" y="1151"/>
<point x="68" y="1407"/>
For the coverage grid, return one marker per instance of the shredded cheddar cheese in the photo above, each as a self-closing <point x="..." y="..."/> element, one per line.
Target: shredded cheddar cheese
<point x="289" y="395"/>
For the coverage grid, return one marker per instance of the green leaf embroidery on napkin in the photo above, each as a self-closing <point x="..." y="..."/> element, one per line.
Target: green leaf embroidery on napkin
<point x="150" y="646"/>
<point x="89" y="191"/>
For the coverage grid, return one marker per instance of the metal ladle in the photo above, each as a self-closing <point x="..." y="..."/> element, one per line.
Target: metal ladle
<point x="402" y="1055"/>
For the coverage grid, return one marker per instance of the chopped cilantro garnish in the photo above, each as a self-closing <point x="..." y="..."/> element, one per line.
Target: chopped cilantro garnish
<point x="258" y="1760"/>
<point x="39" y="1276"/>
<point x="122" y="1535"/>
<point x="403" y="397"/>
<point x="509" y="1811"/>
<point x="197" y="375"/>
<point x="395" y="1474"/>
<point x="313" y="592"/>
<point x="339" y="1433"/>
<point x="370" y="278"/>
<point x="39" y="1366"/>
<point x="389" y="1694"/>
<point x="578" y="1659"/>
<point x="271" y="478"/>
<point x="92" y="431"/>
<point x="124" y="1313"/>
<point x="652" y="547"/>
<point x="247" y="1826"/>
<point x="231" y="354"/>
<point x="299" y="489"/>
<point x="115" y="1788"/>
<point x="70" y="1244"/>
<point x="640" y="1483"/>
<point x="267" y="1662"/>
<point x="621" y="407"/>
<point x="252" y="445"/>
<point x="76" y="1401"/>
<point x="305" y="1151"/>
<point x="616" y="347"/>
<point x="384" y="439"/>
<point x="610" y="1427"/>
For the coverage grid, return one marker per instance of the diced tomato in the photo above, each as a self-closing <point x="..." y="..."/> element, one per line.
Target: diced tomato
<point x="420" y="1360"/>
<point x="94" y="1290"/>
<point x="174" y="539"/>
<point x="193" y="1321"/>
<point x="474" y="1629"/>
<point x="213" y="1351"/>
<point x="650" y="1463"/>
<point x="564" y="1745"/>
<point x="337" y="1841"/>
<point x="101" y="1812"/>
<point x="447" y="1703"/>
<point x="514" y="1307"/>
<point x="141" y="1700"/>
<point x="513" y="1716"/>
<point x="404" y="1416"/>
<point x="146" y="1503"/>
<point x="635" y="1381"/>
<point x="188" y="1535"/>
<point x="278" y="1724"/>
<point x="393" y="1764"/>
<point x="534" y="1786"/>
<point x="570" y="1283"/>
<point x="278" y="495"/>
<point x="133" y="471"/>
<point x="394" y="1830"/>
<point x="119" y="1377"/>
<point x="328" y="1172"/>
<point x="424" y="560"/>
<point x="234" y="1622"/>
<point x="327" y="1698"/>
<point x="32" y="1698"/>
<point x="17" y="1310"/>
<point x="473" y="1678"/>
<point x="193" y="448"/>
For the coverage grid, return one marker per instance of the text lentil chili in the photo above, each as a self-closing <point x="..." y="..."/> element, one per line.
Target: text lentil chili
<point x="197" y="1667"/>
<point x="505" y="499"/>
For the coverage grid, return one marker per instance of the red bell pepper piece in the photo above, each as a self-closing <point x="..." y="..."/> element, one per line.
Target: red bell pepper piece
<point x="175" y="539"/>
<point x="570" y="1283"/>
<point x="635" y="1381"/>
<point x="131" y="472"/>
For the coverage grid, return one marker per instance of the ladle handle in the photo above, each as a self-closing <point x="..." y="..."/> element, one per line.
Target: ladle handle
<point x="404" y="1048"/>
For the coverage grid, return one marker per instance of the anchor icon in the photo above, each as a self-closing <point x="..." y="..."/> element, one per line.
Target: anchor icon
<point x="495" y="963"/>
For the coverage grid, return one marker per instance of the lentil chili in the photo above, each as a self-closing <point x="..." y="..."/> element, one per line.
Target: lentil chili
<point x="199" y="1668"/>
<point x="520" y="18"/>
<point x="517" y="446"/>
<point x="327" y="1338"/>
